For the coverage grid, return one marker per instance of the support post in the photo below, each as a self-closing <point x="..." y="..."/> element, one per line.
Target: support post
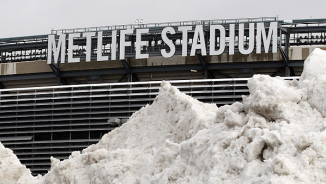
<point x="131" y="77"/>
<point x="207" y="73"/>
<point x="56" y="71"/>
<point x="2" y="86"/>
<point x="289" y="70"/>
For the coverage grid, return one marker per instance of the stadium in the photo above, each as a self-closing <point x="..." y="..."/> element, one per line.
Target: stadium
<point x="63" y="91"/>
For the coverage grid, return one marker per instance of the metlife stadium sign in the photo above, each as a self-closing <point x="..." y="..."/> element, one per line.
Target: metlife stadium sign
<point x="258" y="38"/>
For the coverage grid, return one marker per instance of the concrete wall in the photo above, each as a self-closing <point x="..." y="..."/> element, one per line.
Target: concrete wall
<point x="24" y="67"/>
<point x="300" y="53"/>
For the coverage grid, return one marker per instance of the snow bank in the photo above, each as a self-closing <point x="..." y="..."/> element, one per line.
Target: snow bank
<point x="314" y="65"/>
<point x="145" y="146"/>
<point x="313" y="80"/>
<point x="277" y="135"/>
<point x="11" y="170"/>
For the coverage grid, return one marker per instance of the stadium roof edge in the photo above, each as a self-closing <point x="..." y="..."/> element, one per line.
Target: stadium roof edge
<point x="23" y="37"/>
<point x="240" y="20"/>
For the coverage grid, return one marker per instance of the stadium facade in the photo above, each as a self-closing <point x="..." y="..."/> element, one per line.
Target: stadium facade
<point x="61" y="92"/>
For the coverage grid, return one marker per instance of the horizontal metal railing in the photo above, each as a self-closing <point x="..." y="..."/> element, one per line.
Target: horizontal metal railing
<point x="164" y="24"/>
<point x="40" y="122"/>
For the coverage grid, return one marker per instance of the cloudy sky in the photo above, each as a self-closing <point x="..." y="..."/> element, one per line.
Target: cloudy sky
<point x="34" y="17"/>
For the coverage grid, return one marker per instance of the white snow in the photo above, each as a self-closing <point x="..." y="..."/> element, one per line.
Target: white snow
<point x="277" y="135"/>
<point x="314" y="65"/>
<point x="11" y="170"/>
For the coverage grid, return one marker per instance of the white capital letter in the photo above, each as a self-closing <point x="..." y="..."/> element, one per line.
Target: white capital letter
<point x="199" y="34"/>
<point x="267" y="40"/>
<point x="212" y="39"/>
<point x="56" y="50"/>
<point x="251" y="38"/>
<point x="123" y="42"/>
<point x="72" y="47"/>
<point x="168" y="42"/>
<point x="184" y="40"/>
<point x="100" y="56"/>
<point x="114" y="45"/>
<point x="88" y="44"/>
<point x="231" y="39"/>
<point x="140" y="43"/>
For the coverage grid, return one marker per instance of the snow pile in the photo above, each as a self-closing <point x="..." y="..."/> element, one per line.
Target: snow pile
<point x="144" y="148"/>
<point x="314" y="65"/>
<point x="277" y="135"/>
<point x="313" y="80"/>
<point x="11" y="170"/>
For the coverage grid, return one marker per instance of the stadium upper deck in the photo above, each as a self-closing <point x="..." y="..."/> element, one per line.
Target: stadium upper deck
<point x="295" y="40"/>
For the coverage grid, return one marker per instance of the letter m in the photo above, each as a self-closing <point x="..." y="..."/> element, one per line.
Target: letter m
<point x="266" y="40"/>
<point x="56" y="49"/>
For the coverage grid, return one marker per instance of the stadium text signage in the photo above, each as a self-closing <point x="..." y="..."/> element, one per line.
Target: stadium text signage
<point x="58" y="47"/>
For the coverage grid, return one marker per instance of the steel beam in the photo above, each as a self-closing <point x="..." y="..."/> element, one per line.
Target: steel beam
<point x="288" y="68"/>
<point x="56" y="71"/>
<point x="27" y="76"/>
<point x="131" y="77"/>
<point x="207" y="73"/>
<point x="276" y="72"/>
<point x="2" y="86"/>
<point x="307" y="29"/>
<point x="244" y="70"/>
<point x="24" y="46"/>
<point x="124" y="75"/>
<point x="93" y="77"/>
<point x="150" y="69"/>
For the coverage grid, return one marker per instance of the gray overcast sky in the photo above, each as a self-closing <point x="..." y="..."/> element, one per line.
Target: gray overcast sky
<point x="34" y="17"/>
